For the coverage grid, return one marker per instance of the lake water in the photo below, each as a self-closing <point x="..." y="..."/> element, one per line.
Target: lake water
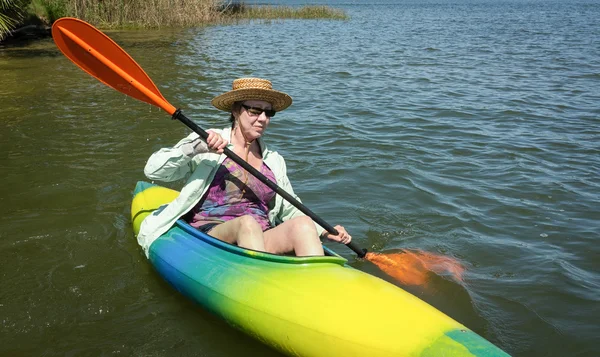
<point x="464" y="128"/>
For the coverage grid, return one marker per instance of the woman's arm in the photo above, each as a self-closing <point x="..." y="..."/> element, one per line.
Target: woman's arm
<point x="172" y="164"/>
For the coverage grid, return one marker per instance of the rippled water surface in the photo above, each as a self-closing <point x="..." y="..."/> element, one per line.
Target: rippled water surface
<point x="468" y="129"/>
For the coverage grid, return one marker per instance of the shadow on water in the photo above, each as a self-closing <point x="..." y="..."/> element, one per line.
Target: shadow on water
<point x="43" y="46"/>
<point x="30" y="53"/>
<point x="29" y="49"/>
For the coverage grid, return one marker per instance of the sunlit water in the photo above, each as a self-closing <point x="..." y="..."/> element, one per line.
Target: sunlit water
<point x="467" y="129"/>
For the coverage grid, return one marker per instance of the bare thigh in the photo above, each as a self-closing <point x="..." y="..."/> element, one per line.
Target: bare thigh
<point x="278" y="241"/>
<point x="296" y="235"/>
<point x="226" y="231"/>
<point x="243" y="231"/>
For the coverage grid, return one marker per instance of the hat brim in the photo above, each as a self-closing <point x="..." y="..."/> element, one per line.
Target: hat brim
<point x="279" y="100"/>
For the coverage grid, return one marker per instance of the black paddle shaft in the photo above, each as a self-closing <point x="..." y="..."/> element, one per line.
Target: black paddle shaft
<point x="178" y="115"/>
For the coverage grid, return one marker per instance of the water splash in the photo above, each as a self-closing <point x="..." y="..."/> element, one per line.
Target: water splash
<point x="413" y="267"/>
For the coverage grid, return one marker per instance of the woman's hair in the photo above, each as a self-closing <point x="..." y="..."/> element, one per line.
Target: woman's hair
<point x="235" y="107"/>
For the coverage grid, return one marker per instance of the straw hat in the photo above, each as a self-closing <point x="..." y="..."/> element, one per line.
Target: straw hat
<point x="252" y="89"/>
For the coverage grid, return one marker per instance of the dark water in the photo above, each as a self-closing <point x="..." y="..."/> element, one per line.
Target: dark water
<point x="468" y="129"/>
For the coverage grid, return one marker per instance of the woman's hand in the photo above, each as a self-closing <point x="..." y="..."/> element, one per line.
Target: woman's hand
<point x="216" y="142"/>
<point x="342" y="237"/>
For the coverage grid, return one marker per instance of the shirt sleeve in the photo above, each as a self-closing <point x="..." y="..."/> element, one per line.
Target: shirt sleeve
<point x="171" y="164"/>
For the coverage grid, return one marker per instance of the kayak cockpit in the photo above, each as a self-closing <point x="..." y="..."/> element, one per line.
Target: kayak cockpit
<point x="330" y="256"/>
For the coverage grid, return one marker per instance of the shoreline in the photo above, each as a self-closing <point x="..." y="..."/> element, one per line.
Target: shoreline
<point x="38" y="25"/>
<point x="26" y="34"/>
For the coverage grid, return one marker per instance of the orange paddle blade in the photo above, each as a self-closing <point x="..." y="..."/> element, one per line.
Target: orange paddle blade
<point x="413" y="267"/>
<point x="102" y="58"/>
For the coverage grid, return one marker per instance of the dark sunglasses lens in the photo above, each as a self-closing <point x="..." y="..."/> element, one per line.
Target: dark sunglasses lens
<point x="259" y="111"/>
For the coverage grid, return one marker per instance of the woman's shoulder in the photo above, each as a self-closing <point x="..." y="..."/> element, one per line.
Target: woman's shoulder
<point x="267" y="152"/>
<point x="274" y="160"/>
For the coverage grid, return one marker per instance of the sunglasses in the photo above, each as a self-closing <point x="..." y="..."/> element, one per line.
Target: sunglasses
<point x="258" y="111"/>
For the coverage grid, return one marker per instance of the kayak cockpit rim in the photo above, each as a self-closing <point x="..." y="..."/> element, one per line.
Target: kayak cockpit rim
<point x="330" y="257"/>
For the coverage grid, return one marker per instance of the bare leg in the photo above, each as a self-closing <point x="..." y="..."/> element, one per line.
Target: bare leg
<point x="243" y="231"/>
<point x="297" y="235"/>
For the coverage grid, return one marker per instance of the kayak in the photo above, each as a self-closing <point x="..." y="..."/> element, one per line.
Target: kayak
<point x="301" y="306"/>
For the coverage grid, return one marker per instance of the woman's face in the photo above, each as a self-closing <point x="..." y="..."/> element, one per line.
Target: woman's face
<point x="252" y="118"/>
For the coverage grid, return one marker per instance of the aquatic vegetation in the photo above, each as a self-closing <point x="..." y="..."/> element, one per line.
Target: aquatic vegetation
<point x="153" y="14"/>
<point x="144" y="14"/>
<point x="270" y="12"/>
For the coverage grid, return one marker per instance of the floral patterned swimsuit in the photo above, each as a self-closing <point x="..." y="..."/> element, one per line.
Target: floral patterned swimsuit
<point x="233" y="193"/>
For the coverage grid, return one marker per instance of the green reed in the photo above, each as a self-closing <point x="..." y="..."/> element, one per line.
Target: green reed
<point x="138" y="13"/>
<point x="173" y="13"/>
<point x="269" y="12"/>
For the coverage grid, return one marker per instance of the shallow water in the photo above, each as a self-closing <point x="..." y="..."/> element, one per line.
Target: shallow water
<point x="468" y="129"/>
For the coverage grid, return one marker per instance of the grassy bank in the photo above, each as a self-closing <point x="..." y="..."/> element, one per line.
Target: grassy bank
<point x="132" y="13"/>
<point x="151" y="13"/>
<point x="268" y="12"/>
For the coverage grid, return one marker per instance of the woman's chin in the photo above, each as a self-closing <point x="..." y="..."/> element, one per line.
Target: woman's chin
<point x="257" y="134"/>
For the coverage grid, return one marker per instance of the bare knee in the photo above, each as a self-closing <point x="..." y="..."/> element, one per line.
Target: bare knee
<point x="250" y="234"/>
<point x="304" y="225"/>
<point x="305" y="238"/>
<point x="248" y="224"/>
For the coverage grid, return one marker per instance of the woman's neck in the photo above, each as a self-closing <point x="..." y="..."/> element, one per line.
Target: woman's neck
<point x="240" y="140"/>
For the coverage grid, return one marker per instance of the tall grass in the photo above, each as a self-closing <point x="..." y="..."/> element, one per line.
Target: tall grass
<point x="152" y="13"/>
<point x="142" y="13"/>
<point x="179" y="13"/>
<point x="269" y="12"/>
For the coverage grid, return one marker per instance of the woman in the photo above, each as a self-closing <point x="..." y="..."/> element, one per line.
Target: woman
<point x="224" y="200"/>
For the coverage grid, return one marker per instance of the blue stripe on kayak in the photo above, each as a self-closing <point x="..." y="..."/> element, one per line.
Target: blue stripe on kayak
<point x="472" y="343"/>
<point x="476" y="344"/>
<point x="141" y="186"/>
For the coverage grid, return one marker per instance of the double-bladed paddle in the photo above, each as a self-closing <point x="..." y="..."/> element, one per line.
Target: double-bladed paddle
<point x="102" y="58"/>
